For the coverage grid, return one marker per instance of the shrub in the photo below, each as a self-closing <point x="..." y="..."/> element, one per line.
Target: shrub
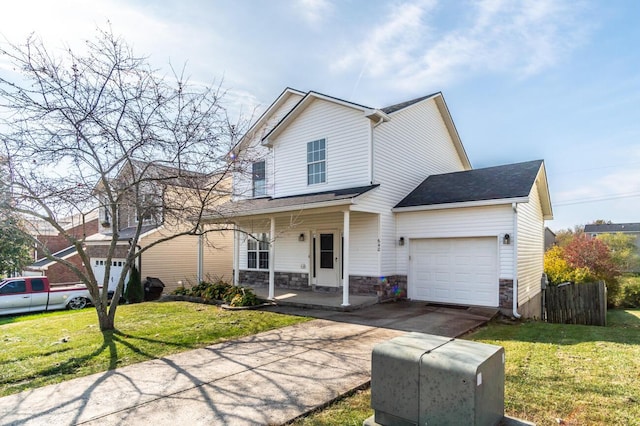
<point x="180" y="291"/>
<point x="134" y="292"/>
<point x="242" y="297"/>
<point x="582" y="259"/>
<point x="221" y="291"/>
<point x="629" y="294"/>
<point x="559" y="271"/>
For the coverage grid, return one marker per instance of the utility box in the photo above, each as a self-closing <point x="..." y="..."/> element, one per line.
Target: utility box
<point x="421" y="379"/>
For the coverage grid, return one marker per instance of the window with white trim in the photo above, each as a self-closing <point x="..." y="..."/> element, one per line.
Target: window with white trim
<point x="316" y="162"/>
<point x="259" y="179"/>
<point x="258" y="251"/>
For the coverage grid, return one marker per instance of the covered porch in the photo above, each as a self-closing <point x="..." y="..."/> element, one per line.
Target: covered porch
<point x="322" y="243"/>
<point x="315" y="300"/>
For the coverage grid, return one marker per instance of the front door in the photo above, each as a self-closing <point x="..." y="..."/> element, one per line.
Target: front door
<point x="327" y="259"/>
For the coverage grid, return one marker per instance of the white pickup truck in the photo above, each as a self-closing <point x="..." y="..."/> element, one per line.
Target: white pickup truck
<point x="34" y="294"/>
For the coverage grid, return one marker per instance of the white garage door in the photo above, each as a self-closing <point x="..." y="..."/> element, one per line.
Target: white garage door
<point x="461" y="271"/>
<point x="99" y="269"/>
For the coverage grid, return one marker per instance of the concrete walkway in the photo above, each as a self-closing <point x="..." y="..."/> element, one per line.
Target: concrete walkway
<point x="265" y="379"/>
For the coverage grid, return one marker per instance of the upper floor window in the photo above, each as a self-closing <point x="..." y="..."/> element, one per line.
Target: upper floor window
<point x="259" y="179"/>
<point x="316" y="162"/>
<point x="149" y="209"/>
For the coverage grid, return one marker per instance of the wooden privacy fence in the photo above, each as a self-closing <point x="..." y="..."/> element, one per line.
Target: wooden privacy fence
<point x="577" y="303"/>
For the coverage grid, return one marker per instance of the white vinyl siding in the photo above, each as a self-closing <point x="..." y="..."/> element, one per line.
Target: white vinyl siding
<point x="414" y="144"/>
<point x="489" y="221"/>
<point x="346" y="132"/>
<point x="530" y="247"/>
<point x="255" y="151"/>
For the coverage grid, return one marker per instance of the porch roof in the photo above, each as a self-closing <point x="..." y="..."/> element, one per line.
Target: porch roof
<point x="266" y="205"/>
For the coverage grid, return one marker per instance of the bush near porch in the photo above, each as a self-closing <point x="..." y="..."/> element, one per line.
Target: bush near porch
<point x="221" y="291"/>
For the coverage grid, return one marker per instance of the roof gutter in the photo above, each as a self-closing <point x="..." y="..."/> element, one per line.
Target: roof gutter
<point x="514" y="206"/>
<point x="479" y="203"/>
<point x="299" y="207"/>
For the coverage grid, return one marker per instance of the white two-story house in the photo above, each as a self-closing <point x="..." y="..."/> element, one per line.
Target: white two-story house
<point x="330" y="195"/>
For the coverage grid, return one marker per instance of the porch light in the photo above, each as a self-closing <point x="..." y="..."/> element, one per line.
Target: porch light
<point x="401" y="241"/>
<point x="301" y="237"/>
<point x="506" y="239"/>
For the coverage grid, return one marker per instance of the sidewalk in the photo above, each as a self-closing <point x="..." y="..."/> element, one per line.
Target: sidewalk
<point x="264" y="379"/>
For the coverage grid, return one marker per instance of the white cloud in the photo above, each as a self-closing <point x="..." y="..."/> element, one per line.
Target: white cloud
<point x="314" y="12"/>
<point x="499" y="36"/>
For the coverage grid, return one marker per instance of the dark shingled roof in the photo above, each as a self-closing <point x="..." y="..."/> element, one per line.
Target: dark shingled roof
<point x="401" y="105"/>
<point x="62" y="253"/>
<point x="256" y="205"/>
<point x="612" y="228"/>
<point x="491" y="183"/>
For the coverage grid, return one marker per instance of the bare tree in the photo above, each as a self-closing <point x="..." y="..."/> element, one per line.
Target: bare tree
<point x="102" y="130"/>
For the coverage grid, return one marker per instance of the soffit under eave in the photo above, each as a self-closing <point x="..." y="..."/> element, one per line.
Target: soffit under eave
<point x="543" y="192"/>
<point x="453" y="131"/>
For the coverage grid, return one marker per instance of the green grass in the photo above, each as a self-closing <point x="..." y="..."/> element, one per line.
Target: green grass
<point x="583" y="375"/>
<point x="48" y="348"/>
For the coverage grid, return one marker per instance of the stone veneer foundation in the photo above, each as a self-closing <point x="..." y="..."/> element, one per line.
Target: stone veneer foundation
<point x="386" y="288"/>
<point x="506" y="296"/>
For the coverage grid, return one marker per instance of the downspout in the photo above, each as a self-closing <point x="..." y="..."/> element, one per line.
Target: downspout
<point x="514" y="206"/>
<point x="371" y="158"/>
<point x="379" y="252"/>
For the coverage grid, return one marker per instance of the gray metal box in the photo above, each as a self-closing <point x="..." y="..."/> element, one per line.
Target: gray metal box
<point x="421" y="379"/>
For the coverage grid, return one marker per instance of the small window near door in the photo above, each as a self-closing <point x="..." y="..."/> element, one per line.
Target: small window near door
<point x="326" y="251"/>
<point x="258" y="251"/>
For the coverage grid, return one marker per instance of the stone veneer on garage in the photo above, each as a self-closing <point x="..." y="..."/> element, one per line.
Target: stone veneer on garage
<point x="506" y="295"/>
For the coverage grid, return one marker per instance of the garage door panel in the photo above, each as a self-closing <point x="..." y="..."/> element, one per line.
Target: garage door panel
<point x="455" y="270"/>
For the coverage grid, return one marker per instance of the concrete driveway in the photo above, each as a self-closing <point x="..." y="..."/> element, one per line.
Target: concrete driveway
<point x="269" y="378"/>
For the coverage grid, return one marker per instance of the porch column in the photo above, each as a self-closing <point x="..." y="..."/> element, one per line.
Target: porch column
<point x="345" y="260"/>
<point x="199" y="273"/>
<point x="236" y="255"/>
<point x="272" y="260"/>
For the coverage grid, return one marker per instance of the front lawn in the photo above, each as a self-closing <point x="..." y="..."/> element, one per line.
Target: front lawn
<point x="48" y="348"/>
<point x="555" y="374"/>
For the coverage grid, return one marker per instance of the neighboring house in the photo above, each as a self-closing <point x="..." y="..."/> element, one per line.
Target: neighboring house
<point x="631" y="229"/>
<point x="346" y="198"/>
<point x="184" y="260"/>
<point x="78" y="226"/>
<point x="549" y="238"/>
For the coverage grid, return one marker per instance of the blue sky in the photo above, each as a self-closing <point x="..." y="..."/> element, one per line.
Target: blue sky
<point x="554" y="80"/>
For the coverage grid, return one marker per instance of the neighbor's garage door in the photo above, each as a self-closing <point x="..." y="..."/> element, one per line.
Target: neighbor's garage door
<point x="460" y="271"/>
<point x="99" y="269"/>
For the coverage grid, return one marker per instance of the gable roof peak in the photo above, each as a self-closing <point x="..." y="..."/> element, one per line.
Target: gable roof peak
<point x="402" y="105"/>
